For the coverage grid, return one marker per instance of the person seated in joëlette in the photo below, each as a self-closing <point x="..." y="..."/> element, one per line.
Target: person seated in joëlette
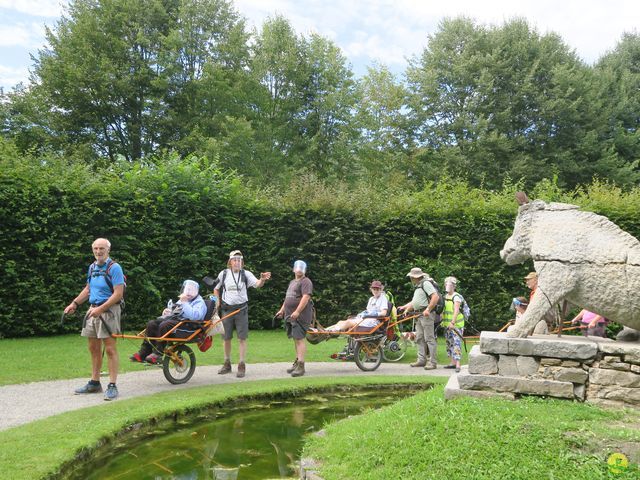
<point x="190" y="306"/>
<point x="365" y="321"/>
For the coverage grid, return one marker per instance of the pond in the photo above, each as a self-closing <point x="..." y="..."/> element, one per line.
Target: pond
<point x="249" y="441"/>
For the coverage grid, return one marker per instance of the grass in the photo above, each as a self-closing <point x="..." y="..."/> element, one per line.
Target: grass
<point x="42" y="447"/>
<point x="66" y="356"/>
<point x="424" y="437"/>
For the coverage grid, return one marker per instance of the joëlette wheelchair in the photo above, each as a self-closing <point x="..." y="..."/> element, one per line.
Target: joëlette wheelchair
<point x="178" y="359"/>
<point x="368" y="347"/>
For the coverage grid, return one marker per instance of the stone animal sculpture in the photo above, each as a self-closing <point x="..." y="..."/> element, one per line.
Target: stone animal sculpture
<point x="580" y="257"/>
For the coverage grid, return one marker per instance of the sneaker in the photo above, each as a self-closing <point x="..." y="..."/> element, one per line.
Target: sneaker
<point x="89" y="388"/>
<point x="457" y="369"/>
<point x="136" y="358"/>
<point x="431" y="366"/>
<point x="153" y="358"/>
<point x="111" y="393"/>
<point x="226" y="368"/>
<point x="241" y="370"/>
<point x="293" y="367"/>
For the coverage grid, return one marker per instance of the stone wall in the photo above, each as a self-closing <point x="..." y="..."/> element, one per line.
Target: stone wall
<point x="592" y="369"/>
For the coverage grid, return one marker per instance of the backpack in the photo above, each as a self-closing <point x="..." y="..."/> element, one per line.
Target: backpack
<point x="440" y="305"/>
<point x="392" y="313"/>
<point x="108" y="279"/>
<point x="464" y="307"/>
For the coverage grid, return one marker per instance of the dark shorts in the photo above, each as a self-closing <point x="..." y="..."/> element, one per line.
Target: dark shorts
<point x="239" y="321"/>
<point x="298" y="329"/>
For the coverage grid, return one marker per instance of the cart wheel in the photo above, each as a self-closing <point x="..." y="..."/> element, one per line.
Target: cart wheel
<point x="368" y="356"/>
<point x="179" y="369"/>
<point x="394" y="350"/>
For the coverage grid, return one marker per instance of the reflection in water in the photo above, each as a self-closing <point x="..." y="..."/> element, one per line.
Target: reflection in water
<point x="248" y="442"/>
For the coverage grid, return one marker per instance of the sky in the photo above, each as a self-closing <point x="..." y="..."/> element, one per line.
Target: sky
<point x="385" y="32"/>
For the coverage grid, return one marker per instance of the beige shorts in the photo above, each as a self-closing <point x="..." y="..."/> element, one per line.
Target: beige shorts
<point x="104" y="325"/>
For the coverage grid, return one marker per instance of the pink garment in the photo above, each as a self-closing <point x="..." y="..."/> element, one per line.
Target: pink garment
<point x="588" y="317"/>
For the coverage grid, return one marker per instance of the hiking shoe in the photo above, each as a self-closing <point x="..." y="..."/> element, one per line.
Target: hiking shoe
<point x="299" y="370"/>
<point x="242" y="368"/>
<point x="153" y="358"/>
<point x="89" y="388"/>
<point x="431" y="366"/>
<point x="418" y="364"/>
<point x="111" y="393"/>
<point x="293" y="367"/>
<point x="226" y="368"/>
<point x="136" y="358"/>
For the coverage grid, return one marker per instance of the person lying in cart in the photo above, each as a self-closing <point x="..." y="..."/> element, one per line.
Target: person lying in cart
<point x="190" y="306"/>
<point x="377" y="307"/>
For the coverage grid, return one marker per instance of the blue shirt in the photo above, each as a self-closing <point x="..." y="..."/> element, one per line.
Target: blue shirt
<point x="196" y="309"/>
<point x="99" y="291"/>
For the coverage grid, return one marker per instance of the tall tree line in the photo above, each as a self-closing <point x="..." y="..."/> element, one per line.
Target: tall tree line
<point x="122" y="80"/>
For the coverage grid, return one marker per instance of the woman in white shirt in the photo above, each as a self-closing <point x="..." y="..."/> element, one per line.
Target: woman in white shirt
<point x="377" y="306"/>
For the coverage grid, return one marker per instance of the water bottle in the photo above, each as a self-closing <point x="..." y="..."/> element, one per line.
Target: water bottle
<point x="170" y="304"/>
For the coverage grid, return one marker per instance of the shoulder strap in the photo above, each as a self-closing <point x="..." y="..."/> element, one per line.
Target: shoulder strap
<point x="107" y="275"/>
<point x="223" y="282"/>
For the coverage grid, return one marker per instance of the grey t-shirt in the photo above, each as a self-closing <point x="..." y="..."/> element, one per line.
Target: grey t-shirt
<point x="235" y="291"/>
<point x="295" y="291"/>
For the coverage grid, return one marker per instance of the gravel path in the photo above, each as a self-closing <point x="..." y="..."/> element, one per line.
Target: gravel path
<point x="25" y="403"/>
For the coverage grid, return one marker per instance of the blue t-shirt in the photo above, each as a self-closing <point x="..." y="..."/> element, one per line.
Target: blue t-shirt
<point x="99" y="291"/>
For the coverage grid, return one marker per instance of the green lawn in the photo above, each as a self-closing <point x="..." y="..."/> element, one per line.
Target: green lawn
<point x="424" y="437"/>
<point x="42" y="447"/>
<point x="66" y="356"/>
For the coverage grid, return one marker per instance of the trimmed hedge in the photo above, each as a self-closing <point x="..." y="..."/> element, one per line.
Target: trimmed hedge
<point x="179" y="219"/>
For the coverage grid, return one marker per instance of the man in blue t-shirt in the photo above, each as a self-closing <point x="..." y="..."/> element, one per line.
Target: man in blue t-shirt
<point x="104" y="290"/>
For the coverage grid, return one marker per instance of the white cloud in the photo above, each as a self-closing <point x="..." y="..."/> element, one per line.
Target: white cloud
<point x="26" y="35"/>
<point x="36" y="8"/>
<point x="11" y="76"/>
<point x="399" y="29"/>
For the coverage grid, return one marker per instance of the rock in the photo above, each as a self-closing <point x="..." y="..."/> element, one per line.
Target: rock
<point x="628" y="335"/>
<point x="602" y="376"/>
<point x="507" y="365"/>
<point x="613" y="363"/>
<point x="568" y="348"/>
<point x="547" y="362"/>
<point x="574" y="375"/>
<point x="527" y="386"/>
<point x="452" y="390"/>
<point x="622" y="349"/>
<point x="527" y="366"/>
<point x="579" y="391"/>
<point x="630" y="396"/>
<point x="570" y="363"/>
<point x="480" y="363"/>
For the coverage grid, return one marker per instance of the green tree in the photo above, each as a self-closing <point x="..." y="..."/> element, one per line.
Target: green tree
<point x="385" y="140"/>
<point x="504" y="101"/>
<point x="125" y="76"/>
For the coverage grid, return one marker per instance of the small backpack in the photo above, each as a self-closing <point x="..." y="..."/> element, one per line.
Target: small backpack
<point x="464" y="307"/>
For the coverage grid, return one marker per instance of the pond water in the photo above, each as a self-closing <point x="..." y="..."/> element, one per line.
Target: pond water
<point x="247" y="442"/>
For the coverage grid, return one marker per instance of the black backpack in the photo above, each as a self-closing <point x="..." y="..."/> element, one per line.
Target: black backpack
<point x="440" y="305"/>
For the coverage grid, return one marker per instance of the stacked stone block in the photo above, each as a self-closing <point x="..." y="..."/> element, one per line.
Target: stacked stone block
<point x="589" y="369"/>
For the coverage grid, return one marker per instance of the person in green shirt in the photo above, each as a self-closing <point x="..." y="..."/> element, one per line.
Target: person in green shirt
<point x="453" y="322"/>
<point x="425" y="298"/>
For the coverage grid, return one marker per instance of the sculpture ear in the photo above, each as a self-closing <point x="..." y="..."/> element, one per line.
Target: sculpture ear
<point x="522" y="198"/>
